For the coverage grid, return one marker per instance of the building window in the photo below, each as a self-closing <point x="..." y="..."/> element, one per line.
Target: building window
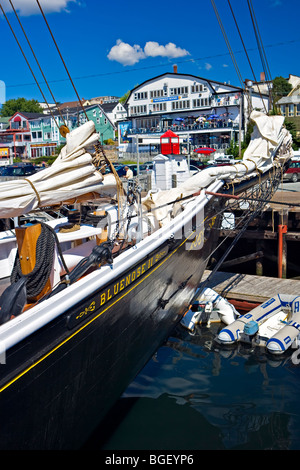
<point x="291" y="109"/>
<point x="180" y="104"/>
<point x="179" y="90"/>
<point x="36" y="152"/>
<point x="15" y="125"/>
<point x="200" y="102"/>
<point x="138" y="110"/>
<point x="49" y="151"/>
<point x="198" y="88"/>
<point x="282" y="109"/>
<point x="158" y="93"/>
<point x="34" y="135"/>
<point x="298" y="109"/>
<point x="158" y="107"/>
<point x="47" y="135"/>
<point x="141" y="95"/>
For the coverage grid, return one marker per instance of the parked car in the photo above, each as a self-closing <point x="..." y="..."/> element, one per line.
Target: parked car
<point x="293" y="172"/>
<point x="146" y="168"/>
<point x="17" y="171"/>
<point x="122" y="172"/>
<point x="198" y="164"/>
<point x="120" y="169"/>
<point x="194" y="169"/>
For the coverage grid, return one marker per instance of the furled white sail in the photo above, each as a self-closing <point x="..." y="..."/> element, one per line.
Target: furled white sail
<point x="71" y="175"/>
<point x="267" y="137"/>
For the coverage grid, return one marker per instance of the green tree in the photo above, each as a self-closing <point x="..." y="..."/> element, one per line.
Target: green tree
<point x="291" y="127"/>
<point x="281" y="87"/>
<point x="124" y="97"/>
<point x="234" y="148"/>
<point x="12" y="106"/>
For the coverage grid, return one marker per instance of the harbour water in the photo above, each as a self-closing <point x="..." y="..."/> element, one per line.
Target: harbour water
<point x="196" y="395"/>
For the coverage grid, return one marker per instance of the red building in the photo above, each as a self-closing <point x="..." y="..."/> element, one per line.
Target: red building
<point x="169" y="143"/>
<point x="16" y="138"/>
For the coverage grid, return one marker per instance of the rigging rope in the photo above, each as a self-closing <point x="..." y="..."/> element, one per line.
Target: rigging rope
<point x="231" y="54"/>
<point x="28" y="63"/>
<point x="260" y="47"/>
<point x="120" y="189"/>
<point x="40" y="68"/>
<point x="80" y="102"/>
<point x="228" y="44"/>
<point x="247" y="55"/>
<point x="99" y="147"/>
<point x="225" y="254"/>
<point x="38" y="277"/>
<point x="267" y="68"/>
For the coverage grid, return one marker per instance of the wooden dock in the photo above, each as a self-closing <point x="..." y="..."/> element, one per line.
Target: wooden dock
<point x="246" y="291"/>
<point x="271" y="238"/>
<point x="285" y="200"/>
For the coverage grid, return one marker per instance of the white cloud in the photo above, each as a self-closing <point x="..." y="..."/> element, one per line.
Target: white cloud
<point x="208" y="66"/>
<point x="30" y="7"/>
<point x="153" y="49"/>
<point x="129" y="55"/>
<point x="125" y="53"/>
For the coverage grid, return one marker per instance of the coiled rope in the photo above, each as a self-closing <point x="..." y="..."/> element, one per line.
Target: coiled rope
<point x="38" y="277"/>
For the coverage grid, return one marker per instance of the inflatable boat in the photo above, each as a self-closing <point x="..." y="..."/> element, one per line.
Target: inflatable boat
<point x="274" y="324"/>
<point x="208" y="307"/>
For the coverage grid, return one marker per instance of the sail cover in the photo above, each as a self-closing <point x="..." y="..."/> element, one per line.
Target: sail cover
<point x="71" y="175"/>
<point x="267" y="138"/>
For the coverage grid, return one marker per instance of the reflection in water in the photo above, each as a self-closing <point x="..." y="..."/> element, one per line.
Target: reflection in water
<point x="194" y="394"/>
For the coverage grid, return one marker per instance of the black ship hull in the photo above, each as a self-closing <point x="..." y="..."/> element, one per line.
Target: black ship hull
<point x="58" y="383"/>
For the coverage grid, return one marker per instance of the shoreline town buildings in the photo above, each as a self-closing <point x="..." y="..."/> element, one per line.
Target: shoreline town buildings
<point x="202" y="112"/>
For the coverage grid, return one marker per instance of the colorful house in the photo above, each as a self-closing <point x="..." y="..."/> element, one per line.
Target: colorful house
<point x="45" y="135"/>
<point x="290" y="104"/>
<point x="17" y="136"/>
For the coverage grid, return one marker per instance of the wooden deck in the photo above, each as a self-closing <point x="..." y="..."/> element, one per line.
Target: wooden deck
<point x="246" y="291"/>
<point x="286" y="200"/>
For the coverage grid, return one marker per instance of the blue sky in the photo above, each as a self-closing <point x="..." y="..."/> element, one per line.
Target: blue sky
<point x="110" y="47"/>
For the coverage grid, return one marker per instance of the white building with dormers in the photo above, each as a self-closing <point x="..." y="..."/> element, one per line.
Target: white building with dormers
<point x="203" y="112"/>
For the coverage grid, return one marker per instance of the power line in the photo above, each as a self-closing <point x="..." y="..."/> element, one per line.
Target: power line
<point x="26" y="60"/>
<point x="227" y="43"/>
<point x="34" y="55"/>
<point x="246" y="52"/>
<point x="261" y="50"/>
<point x="148" y="67"/>
<point x="55" y="43"/>
<point x="259" y="41"/>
